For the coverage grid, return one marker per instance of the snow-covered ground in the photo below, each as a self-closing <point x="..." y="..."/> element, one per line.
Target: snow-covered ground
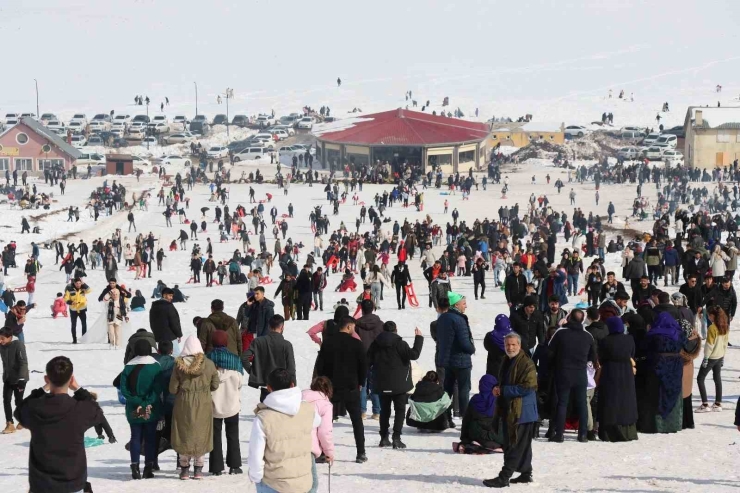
<point x="650" y="464"/>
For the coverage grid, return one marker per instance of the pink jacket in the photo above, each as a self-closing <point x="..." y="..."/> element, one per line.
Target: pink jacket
<point x="59" y="307"/>
<point x="317" y="329"/>
<point x="323" y="440"/>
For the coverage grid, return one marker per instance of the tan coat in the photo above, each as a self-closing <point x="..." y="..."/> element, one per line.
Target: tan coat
<point x="687" y="380"/>
<point x="193" y="380"/>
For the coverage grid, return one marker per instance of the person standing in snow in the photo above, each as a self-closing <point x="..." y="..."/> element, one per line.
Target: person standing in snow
<point x="339" y="82"/>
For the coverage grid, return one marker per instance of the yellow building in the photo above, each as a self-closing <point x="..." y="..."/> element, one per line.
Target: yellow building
<point x="712" y="136"/>
<point x="520" y="134"/>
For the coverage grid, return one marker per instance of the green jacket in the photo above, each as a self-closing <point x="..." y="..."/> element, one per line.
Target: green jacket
<point x="146" y="392"/>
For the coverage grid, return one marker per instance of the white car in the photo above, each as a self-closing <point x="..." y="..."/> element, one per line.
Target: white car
<point x="76" y="126"/>
<point x="79" y="117"/>
<point x="672" y="157"/>
<point x="628" y="153"/>
<point x="630" y="129"/>
<point x="218" y="152"/>
<point x="119" y="126"/>
<point x="137" y="132"/>
<point x="159" y="119"/>
<point x="666" y="140"/>
<point x="11" y="122"/>
<point x="122" y="119"/>
<point x="304" y="148"/>
<point x="133" y="125"/>
<point x="152" y="141"/>
<point x="265" y="120"/>
<point x="650" y="139"/>
<point x="179" y="138"/>
<point x="99" y="125"/>
<point x="176" y="160"/>
<point x="281" y="134"/>
<point x="251" y="153"/>
<point x="306" y="123"/>
<point x="118" y="132"/>
<point x="289" y="129"/>
<point x="140" y="161"/>
<point x="47" y="117"/>
<point x="160" y="128"/>
<point x="576" y="131"/>
<point x="12" y="117"/>
<point x="90" y="158"/>
<point x="653" y="153"/>
<point x="264" y="141"/>
<point x="55" y="125"/>
<point x="78" y="141"/>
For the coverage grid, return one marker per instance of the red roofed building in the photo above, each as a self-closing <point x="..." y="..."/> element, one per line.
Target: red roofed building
<point x="402" y="136"/>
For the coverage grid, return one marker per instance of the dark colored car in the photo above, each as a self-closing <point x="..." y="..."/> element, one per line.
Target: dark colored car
<point x="240" y="121"/>
<point x="220" y="120"/>
<point x="200" y="127"/>
<point x="119" y="142"/>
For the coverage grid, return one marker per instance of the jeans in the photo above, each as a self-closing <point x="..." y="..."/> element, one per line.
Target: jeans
<point x="375" y="293"/>
<point x="12" y="390"/>
<point x="399" y="406"/>
<point x="573" y="284"/>
<point x="601" y="253"/>
<point x="462" y="377"/>
<point x="715" y="366"/>
<point x="147" y="432"/>
<point x="528" y="274"/>
<point x="263" y="488"/>
<point x="318" y="300"/>
<point x="564" y="389"/>
<point x="374" y="398"/>
<point x="21" y="337"/>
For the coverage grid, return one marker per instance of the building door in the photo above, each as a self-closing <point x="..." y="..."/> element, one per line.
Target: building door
<point x="119" y="167"/>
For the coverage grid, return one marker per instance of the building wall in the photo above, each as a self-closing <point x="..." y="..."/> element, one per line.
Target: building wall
<point x="12" y="150"/>
<point x="521" y="139"/>
<point x="702" y="149"/>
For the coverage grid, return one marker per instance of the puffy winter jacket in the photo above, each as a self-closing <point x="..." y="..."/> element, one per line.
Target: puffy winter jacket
<point x="670" y="257"/>
<point x="391" y="359"/>
<point x="76" y="298"/>
<point x="454" y="340"/>
<point x="322" y="437"/>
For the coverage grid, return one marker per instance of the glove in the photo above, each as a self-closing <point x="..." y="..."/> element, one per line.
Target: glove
<point x="705" y="363"/>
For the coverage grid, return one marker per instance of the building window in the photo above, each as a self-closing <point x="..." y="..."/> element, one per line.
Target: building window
<point x="4" y="164"/>
<point x="466" y="157"/>
<point x="21" y="138"/>
<point x="552" y="137"/>
<point x="508" y="137"/>
<point x="495" y="137"/>
<point x="723" y="137"/>
<point x="50" y="164"/>
<point x="23" y="164"/>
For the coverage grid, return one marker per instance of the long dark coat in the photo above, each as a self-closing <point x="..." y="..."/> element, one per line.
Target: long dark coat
<point x="617" y="404"/>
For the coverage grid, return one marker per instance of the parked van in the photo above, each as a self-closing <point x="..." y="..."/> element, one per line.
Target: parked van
<point x="666" y="140"/>
<point x="251" y="153"/>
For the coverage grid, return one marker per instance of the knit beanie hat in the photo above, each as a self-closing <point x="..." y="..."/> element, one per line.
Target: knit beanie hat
<point x="529" y="301"/>
<point x="454" y="298"/>
<point x="219" y="338"/>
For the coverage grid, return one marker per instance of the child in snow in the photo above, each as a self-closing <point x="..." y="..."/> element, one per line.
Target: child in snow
<point x="30" y="289"/>
<point x="221" y="272"/>
<point x="59" y="307"/>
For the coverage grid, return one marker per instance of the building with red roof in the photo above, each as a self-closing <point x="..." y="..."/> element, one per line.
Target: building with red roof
<point x="402" y="136"/>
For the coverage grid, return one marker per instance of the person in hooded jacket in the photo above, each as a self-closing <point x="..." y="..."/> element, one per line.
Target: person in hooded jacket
<point x="322" y="437"/>
<point x="516" y="287"/>
<point x="369" y="326"/>
<point x="140" y="385"/>
<point x="429" y="405"/>
<point x="480" y="431"/>
<point x="218" y="320"/>
<point x="226" y="405"/>
<point x="528" y="322"/>
<point x="390" y="357"/>
<point x="455" y="348"/>
<point x="493" y="342"/>
<point x="723" y="295"/>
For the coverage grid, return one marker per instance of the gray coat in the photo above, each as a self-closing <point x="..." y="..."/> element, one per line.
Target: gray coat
<point x="15" y="363"/>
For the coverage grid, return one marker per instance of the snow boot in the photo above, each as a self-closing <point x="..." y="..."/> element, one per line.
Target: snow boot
<point x="235" y="470"/>
<point x="185" y="473"/>
<point x="525" y="477"/>
<point x="148" y="471"/>
<point x="361" y="458"/>
<point x="198" y="472"/>
<point x="9" y="428"/>
<point x="497" y="482"/>
<point x="398" y="444"/>
<point x="384" y="442"/>
<point x="135" y="473"/>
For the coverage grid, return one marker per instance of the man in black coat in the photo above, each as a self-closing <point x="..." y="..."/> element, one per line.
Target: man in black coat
<point x="267" y="354"/>
<point x="305" y="289"/>
<point x="400" y="277"/>
<point x="165" y="321"/>
<point x="570" y="350"/>
<point x="516" y="287"/>
<point x="692" y="290"/>
<point x="665" y="305"/>
<point x="697" y="265"/>
<point x="342" y="359"/>
<point x="724" y="296"/>
<point x="610" y="287"/>
<point x="391" y="359"/>
<point x="642" y="291"/>
<point x="527" y="321"/>
<point x="368" y="327"/>
<point x="258" y="312"/>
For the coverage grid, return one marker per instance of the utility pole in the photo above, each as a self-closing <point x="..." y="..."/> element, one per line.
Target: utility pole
<point x="196" y="98"/>
<point x="148" y="128"/>
<point x="229" y="95"/>
<point x="38" y="115"/>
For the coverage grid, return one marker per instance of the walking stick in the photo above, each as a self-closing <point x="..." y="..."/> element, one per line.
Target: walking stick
<point x="329" y="477"/>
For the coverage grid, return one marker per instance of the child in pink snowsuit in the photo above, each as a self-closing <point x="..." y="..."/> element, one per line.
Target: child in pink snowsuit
<point x="59" y="307"/>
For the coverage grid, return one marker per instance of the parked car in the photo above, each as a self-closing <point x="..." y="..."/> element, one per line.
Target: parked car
<point x="159" y="128"/>
<point x="672" y="157"/>
<point x="179" y="138"/>
<point x="47" y="117"/>
<point x="79" y="117"/>
<point x="78" y="141"/>
<point x="666" y="140"/>
<point x="303" y="148"/>
<point x="329" y="119"/>
<point x="290" y="149"/>
<point x="199" y="118"/>
<point x="117" y="132"/>
<point x="12" y="117"/>
<point x="220" y="119"/>
<point x="632" y="135"/>
<point x="240" y="120"/>
<point x="54" y="125"/>
<point x="159" y="119"/>
<point x="137" y="133"/>
<point x="630" y="129"/>
<point x="181" y="119"/>
<point x="133" y="125"/>
<point x="576" y="131"/>
<point x="102" y="117"/>
<point x="149" y="141"/>
<point x="218" y="152"/>
<point x="29" y="115"/>
<point x="138" y="161"/>
<point x="653" y="153"/>
<point x="288" y="129"/>
<point x="265" y="121"/>
<point x="119" y="142"/>
<point x="95" y="140"/>
<point x="628" y="153"/>
<point x="264" y="141"/>
<point x="648" y="141"/>
<point x="199" y="125"/>
<point x="90" y="158"/>
<point x="281" y="134"/>
<point x="306" y="123"/>
<point x="251" y="153"/>
<point x="99" y="125"/>
<point x="125" y="119"/>
<point x="141" y="118"/>
<point x="76" y="126"/>
<point x="176" y="160"/>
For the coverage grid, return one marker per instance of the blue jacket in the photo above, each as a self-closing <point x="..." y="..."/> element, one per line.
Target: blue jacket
<point x="670" y="257"/>
<point x="529" y="398"/>
<point x="454" y="341"/>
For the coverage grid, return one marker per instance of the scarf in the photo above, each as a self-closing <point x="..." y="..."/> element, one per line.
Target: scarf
<point x="223" y="358"/>
<point x="665" y="326"/>
<point x="484" y="402"/>
<point x="520" y="371"/>
<point x="501" y="328"/>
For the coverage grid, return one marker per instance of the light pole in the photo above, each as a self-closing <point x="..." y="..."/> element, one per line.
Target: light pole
<point x="229" y="95"/>
<point x="148" y="128"/>
<point x="196" y="98"/>
<point x="37" y="99"/>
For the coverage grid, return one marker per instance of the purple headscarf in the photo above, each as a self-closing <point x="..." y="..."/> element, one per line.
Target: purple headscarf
<point x="665" y="325"/>
<point x="484" y="402"/>
<point x="500" y="329"/>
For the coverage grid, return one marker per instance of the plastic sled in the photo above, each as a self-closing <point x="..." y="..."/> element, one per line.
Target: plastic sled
<point x="131" y="268"/>
<point x="411" y="295"/>
<point x="262" y="202"/>
<point x="190" y="281"/>
<point x="186" y="221"/>
<point x="362" y="203"/>
<point x="444" y="193"/>
<point x="93" y="442"/>
<point x="285" y="215"/>
<point x="582" y="305"/>
<point x="313" y="228"/>
<point x="266" y="280"/>
<point x="139" y="309"/>
<point x="581" y="291"/>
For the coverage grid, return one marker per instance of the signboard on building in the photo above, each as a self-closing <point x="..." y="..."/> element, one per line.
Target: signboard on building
<point x="10" y="151"/>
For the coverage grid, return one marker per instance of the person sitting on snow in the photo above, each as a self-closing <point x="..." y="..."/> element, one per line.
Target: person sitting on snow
<point x="59" y="307"/>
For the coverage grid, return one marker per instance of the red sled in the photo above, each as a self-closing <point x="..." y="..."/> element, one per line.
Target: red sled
<point x="131" y="268"/>
<point x="411" y="295"/>
<point x="581" y="291"/>
<point x="21" y="289"/>
<point x="266" y="280"/>
<point x="348" y="285"/>
<point x="359" y="309"/>
<point x="313" y="228"/>
<point x="285" y="215"/>
<point x="191" y="280"/>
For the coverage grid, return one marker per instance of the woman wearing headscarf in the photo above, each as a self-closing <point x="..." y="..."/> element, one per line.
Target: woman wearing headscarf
<point x="617" y="403"/>
<point x="141" y="386"/>
<point x="494" y="344"/>
<point x="660" y="405"/>
<point x="193" y="380"/>
<point x="226" y="405"/>
<point x="689" y="352"/>
<point x="480" y="432"/>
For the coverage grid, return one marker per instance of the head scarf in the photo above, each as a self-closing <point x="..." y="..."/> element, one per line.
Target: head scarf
<point x="500" y="329"/>
<point x="615" y="325"/>
<point x="665" y="326"/>
<point x="340" y="312"/>
<point x="192" y="347"/>
<point x="484" y="402"/>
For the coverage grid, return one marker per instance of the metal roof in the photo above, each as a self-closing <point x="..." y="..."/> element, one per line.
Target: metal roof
<point x="45" y="132"/>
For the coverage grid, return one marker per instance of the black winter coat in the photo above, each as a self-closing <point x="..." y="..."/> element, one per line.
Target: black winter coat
<point x="342" y="360"/>
<point x="531" y="330"/>
<point x="400" y="275"/>
<point x="368" y="327"/>
<point x="516" y="288"/>
<point x="617" y="403"/>
<point x="570" y="350"/>
<point x="727" y="299"/>
<point x="164" y="321"/>
<point x="266" y="354"/>
<point x="495" y="358"/>
<point x="258" y="316"/>
<point x="390" y="356"/>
